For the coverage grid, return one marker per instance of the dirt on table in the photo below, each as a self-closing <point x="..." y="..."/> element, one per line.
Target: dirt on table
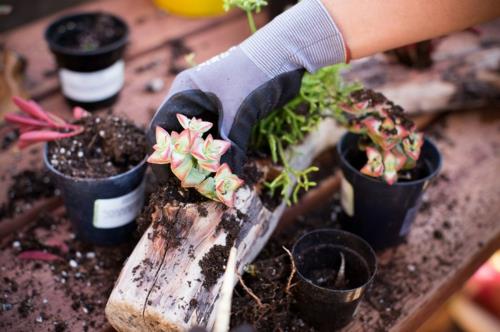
<point x="50" y="281"/>
<point x="27" y="187"/>
<point x="109" y="145"/>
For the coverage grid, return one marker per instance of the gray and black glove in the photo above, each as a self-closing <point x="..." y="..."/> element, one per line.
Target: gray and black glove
<point x="237" y="88"/>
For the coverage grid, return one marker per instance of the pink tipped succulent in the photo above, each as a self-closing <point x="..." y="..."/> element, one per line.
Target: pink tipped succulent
<point x="209" y="151"/>
<point x="162" y="149"/>
<point x="192" y="159"/>
<point x="196" y="127"/>
<point x="393" y="145"/>
<point x="37" y="125"/>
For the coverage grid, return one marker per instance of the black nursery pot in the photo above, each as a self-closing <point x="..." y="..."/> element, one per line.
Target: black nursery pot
<point x="317" y="259"/>
<point x="88" y="48"/>
<point x="102" y="211"/>
<point x="382" y="214"/>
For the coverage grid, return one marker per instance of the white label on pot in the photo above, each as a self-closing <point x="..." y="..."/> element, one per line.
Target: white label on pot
<point x="346" y="196"/>
<point x="93" y="86"/>
<point x="118" y="211"/>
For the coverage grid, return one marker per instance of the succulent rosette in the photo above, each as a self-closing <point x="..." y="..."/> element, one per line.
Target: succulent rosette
<point x="193" y="159"/>
<point x="393" y="145"/>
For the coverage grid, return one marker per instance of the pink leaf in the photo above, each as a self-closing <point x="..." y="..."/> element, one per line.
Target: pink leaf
<point x="226" y="184"/>
<point x="23" y="120"/>
<point x="31" y="108"/>
<point x="45" y="135"/>
<point x="38" y="255"/>
<point x="80" y="113"/>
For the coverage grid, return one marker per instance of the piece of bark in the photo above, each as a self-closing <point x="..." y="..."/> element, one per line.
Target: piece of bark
<point x="464" y="74"/>
<point x="161" y="286"/>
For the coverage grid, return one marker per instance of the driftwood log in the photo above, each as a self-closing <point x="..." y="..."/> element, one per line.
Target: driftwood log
<point x="161" y="286"/>
<point x="465" y="74"/>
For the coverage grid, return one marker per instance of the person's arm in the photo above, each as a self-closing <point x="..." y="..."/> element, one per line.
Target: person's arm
<point x="372" y="26"/>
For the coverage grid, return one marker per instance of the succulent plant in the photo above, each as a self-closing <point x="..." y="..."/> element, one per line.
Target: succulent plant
<point x="393" y="142"/>
<point x="37" y="125"/>
<point x="193" y="159"/>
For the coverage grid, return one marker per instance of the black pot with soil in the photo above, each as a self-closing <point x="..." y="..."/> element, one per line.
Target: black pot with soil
<point x="334" y="269"/>
<point x="101" y="177"/>
<point x="88" y="48"/>
<point x="382" y="214"/>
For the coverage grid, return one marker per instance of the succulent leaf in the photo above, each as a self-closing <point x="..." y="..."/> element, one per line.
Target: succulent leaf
<point x="413" y="144"/>
<point x="162" y="149"/>
<point x="207" y="189"/>
<point x="194" y="177"/>
<point x="196" y="126"/>
<point x="226" y="184"/>
<point x="390" y="167"/>
<point x="209" y="151"/>
<point x="374" y="167"/>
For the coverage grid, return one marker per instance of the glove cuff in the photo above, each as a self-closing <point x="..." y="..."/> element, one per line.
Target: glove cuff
<point x="305" y="36"/>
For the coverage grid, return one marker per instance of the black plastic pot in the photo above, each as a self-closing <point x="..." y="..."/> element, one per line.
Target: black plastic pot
<point x="382" y="214"/>
<point x="317" y="257"/>
<point x="91" y="73"/>
<point x="102" y="211"/>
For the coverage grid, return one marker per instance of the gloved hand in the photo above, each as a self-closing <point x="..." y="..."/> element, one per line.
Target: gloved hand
<point x="237" y="88"/>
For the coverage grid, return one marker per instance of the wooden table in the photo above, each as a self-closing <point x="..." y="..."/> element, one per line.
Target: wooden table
<point x="450" y="239"/>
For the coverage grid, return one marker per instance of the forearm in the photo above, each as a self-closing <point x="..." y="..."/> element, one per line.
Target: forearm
<point x="371" y="26"/>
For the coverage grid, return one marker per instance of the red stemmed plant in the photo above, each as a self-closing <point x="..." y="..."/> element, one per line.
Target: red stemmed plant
<point x="36" y="125"/>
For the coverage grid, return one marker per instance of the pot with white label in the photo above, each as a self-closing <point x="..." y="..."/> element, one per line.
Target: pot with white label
<point x="88" y="48"/>
<point x="382" y="214"/>
<point x="103" y="210"/>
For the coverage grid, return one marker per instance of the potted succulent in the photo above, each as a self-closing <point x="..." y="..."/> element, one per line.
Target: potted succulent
<point x="88" y="48"/>
<point x="386" y="165"/>
<point x="98" y="163"/>
<point x="334" y="270"/>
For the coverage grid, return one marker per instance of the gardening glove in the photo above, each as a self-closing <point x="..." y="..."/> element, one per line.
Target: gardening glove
<point x="237" y="88"/>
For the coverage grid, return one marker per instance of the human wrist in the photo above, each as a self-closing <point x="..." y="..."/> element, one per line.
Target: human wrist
<point x="304" y="36"/>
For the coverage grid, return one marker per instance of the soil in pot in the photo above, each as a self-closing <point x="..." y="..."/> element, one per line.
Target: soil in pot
<point x="91" y="34"/>
<point x="328" y="275"/>
<point x="109" y="146"/>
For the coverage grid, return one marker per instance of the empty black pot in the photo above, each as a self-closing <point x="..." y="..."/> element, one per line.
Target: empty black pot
<point x="102" y="211"/>
<point x="88" y="48"/>
<point x="323" y="300"/>
<point x="381" y="214"/>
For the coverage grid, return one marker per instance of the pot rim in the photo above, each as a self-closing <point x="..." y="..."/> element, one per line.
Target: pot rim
<point x="431" y="175"/>
<point x="49" y="34"/>
<point x="341" y="291"/>
<point x="109" y="178"/>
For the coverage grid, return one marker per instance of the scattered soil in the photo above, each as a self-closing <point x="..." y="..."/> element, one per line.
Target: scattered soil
<point x="109" y="145"/>
<point x="213" y="264"/>
<point x="91" y="33"/>
<point x="66" y="294"/>
<point x="27" y="187"/>
<point x="9" y="139"/>
<point x="418" y="55"/>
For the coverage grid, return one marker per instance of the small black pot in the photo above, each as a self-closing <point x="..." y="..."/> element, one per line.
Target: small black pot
<point x="317" y="259"/>
<point x="89" y="48"/>
<point x="102" y="211"/>
<point x="382" y="214"/>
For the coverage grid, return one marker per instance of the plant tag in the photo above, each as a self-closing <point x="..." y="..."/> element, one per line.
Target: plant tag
<point x="347" y="196"/>
<point x="118" y="211"/>
<point x="93" y="86"/>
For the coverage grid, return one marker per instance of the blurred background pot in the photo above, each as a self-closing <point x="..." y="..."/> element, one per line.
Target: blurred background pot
<point x="89" y="48"/>
<point x="326" y="297"/>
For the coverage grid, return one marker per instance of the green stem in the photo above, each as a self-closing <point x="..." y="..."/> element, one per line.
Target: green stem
<point x="251" y="21"/>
